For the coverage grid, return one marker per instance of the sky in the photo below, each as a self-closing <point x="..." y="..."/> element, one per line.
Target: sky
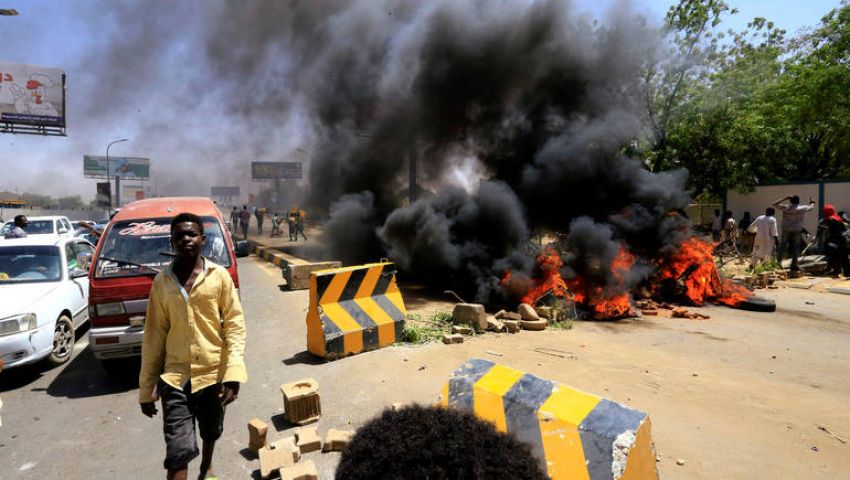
<point x="141" y="70"/>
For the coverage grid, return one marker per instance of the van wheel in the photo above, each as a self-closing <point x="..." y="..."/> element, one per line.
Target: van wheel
<point x="63" y="341"/>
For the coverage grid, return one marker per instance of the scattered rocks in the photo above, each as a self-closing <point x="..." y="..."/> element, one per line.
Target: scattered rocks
<point x="511" y="325"/>
<point x="452" y="338"/>
<point x="336" y="440"/>
<point x="302" y="471"/>
<point x="535" y="325"/>
<point x="257" y="431"/>
<point x="471" y="314"/>
<point x="462" y="329"/>
<point x="528" y="313"/>
<point x="495" y="325"/>
<point x="503" y="315"/>
<point x="680" y="462"/>
<point x="308" y="440"/>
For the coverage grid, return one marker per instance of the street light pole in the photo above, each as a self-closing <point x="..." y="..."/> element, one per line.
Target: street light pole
<point x="117" y="181"/>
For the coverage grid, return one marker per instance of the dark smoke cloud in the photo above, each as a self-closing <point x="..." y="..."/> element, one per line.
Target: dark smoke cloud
<point x="539" y="99"/>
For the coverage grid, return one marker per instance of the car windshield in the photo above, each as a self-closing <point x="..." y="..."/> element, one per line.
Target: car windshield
<point x="29" y="264"/>
<point x="141" y="247"/>
<point x="35" y="227"/>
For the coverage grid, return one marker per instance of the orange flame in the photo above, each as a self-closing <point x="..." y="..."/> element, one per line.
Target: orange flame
<point x="600" y="301"/>
<point x="693" y="265"/>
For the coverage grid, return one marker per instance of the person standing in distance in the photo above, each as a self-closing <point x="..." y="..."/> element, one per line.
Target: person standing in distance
<point x="244" y="220"/>
<point x="193" y="351"/>
<point x="18" y="230"/>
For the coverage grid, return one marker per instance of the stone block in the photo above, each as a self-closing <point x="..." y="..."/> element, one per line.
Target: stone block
<point x="336" y="440"/>
<point x="495" y="325"/>
<point x="276" y="456"/>
<point x="452" y="338"/>
<point x="302" y="471"/>
<point x="461" y="329"/>
<point x="511" y="325"/>
<point x="301" y="402"/>
<point x="471" y="314"/>
<point x="527" y="312"/>
<point x="257" y="431"/>
<point x="308" y="440"/>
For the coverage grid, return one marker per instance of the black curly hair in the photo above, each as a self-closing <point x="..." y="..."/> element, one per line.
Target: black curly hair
<point x="187" y="217"/>
<point x="417" y="442"/>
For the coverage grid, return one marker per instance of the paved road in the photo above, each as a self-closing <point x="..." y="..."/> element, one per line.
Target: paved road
<point x="75" y="422"/>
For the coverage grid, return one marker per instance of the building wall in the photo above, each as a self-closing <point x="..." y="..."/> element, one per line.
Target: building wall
<point x="838" y="194"/>
<point x="763" y="196"/>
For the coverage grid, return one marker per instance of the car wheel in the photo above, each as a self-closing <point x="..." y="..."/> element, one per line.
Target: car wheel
<point x="63" y="341"/>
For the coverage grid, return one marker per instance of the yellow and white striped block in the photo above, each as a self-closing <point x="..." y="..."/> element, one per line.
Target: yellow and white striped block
<point x="575" y="435"/>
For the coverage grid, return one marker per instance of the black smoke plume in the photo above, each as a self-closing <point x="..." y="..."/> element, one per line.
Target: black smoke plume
<point x="536" y="99"/>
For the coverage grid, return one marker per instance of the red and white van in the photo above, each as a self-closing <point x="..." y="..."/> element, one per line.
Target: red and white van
<point x="134" y="247"/>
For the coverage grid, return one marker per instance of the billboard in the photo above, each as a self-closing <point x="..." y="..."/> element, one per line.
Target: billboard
<point x="32" y="95"/>
<point x="123" y="167"/>
<point x="276" y="170"/>
<point x="224" y="192"/>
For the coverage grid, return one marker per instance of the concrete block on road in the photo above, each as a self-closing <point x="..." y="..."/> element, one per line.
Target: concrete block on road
<point x="452" y="338"/>
<point x="257" y="432"/>
<point x="471" y="314"/>
<point x="354" y="310"/>
<point x="302" y="471"/>
<point x="572" y="433"/>
<point x="301" y="401"/>
<point x="277" y="455"/>
<point x="336" y="440"/>
<point x="308" y="440"/>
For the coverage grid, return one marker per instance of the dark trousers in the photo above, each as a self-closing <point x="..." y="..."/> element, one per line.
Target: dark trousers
<point x="181" y="409"/>
<point x="837" y="260"/>
<point x="790" y="247"/>
<point x="245" y="230"/>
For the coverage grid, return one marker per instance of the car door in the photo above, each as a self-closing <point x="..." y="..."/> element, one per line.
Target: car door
<point x="80" y="292"/>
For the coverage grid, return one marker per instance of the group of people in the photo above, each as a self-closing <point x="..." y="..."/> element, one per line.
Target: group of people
<point x="787" y="242"/>
<point x="296" y="221"/>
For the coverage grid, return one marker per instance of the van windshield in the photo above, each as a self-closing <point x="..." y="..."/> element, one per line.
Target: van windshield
<point x="143" y="247"/>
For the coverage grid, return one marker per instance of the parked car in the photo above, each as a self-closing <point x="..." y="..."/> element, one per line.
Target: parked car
<point x="135" y="247"/>
<point x="43" y="298"/>
<point x="43" y="225"/>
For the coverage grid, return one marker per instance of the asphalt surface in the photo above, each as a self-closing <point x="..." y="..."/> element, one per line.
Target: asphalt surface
<point x="74" y="421"/>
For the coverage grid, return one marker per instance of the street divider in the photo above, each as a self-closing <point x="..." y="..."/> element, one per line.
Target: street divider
<point x="353" y="310"/>
<point x="573" y="434"/>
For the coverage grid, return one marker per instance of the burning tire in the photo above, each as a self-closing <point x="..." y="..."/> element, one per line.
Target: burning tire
<point x="757" y="304"/>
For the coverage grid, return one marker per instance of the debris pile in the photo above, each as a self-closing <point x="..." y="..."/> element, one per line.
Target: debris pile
<point x="283" y="457"/>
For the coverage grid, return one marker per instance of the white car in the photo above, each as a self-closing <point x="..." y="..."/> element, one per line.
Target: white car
<point x="43" y="225"/>
<point x="43" y="298"/>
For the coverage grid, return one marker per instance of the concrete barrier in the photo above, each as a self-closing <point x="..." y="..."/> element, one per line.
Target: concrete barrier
<point x="574" y="434"/>
<point x="353" y="310"/>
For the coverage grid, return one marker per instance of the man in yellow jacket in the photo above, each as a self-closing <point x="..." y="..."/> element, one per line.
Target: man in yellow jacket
<point x="193" y="349"/>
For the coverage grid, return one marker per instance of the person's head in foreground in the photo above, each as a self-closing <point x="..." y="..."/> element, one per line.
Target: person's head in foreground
<point x="416" y="442"/>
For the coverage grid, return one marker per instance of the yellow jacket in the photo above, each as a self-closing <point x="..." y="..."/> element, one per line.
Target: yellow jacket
<point x="197" y="336"/>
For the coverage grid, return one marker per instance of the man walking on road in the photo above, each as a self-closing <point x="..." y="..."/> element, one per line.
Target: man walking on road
<point x="793" y="215"/>
<point x="234" y="220"/>
<point x="18" y="230"/>
<point x="193" y="349"/>
<point x="260" y="214"/>
<point x="244" y="220"/>
<point x="764" y="226"/>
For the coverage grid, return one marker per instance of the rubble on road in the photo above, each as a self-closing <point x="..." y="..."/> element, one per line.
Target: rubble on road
<point x="495" y="325"/>
<point x="452" y="338"/>
<point x="511" y="325"/>
<point x="276" y="456"/>
<point x="471" y="314"/>
<point x="535" y="325"/>
<point x="462" y="329"/>
<point x="527" y="312"/>
<point x="504" y="315"/>
<point x="257" y="432"/>
<point x="336" y="440"/>
<point x="303" y="471"/>
<point x="301" y="402"/>
<point x="308" y="440"/>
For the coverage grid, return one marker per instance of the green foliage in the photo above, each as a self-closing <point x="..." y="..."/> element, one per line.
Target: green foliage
<point x="767" y="266"/>
<point x="419" y="331"/>
<point x="754" y="108"/>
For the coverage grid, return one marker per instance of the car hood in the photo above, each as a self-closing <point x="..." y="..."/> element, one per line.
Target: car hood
<point x="22" y="298"/>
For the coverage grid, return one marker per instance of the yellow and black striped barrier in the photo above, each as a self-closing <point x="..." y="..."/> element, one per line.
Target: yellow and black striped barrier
<point x="575" y="435"/>
<point x="353" y="310"/>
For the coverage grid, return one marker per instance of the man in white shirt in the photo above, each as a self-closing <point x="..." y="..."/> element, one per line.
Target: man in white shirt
<point x="716" y="225"/>
<point x="764" y="226"/>
<point x="793" y="216"/>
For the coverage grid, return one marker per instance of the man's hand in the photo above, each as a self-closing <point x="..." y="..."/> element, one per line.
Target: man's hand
<point x="148" y="409"/>
<point x="229" y="392"/>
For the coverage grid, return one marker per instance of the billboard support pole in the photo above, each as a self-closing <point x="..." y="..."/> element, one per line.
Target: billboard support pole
<point x="117" y="191"/>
